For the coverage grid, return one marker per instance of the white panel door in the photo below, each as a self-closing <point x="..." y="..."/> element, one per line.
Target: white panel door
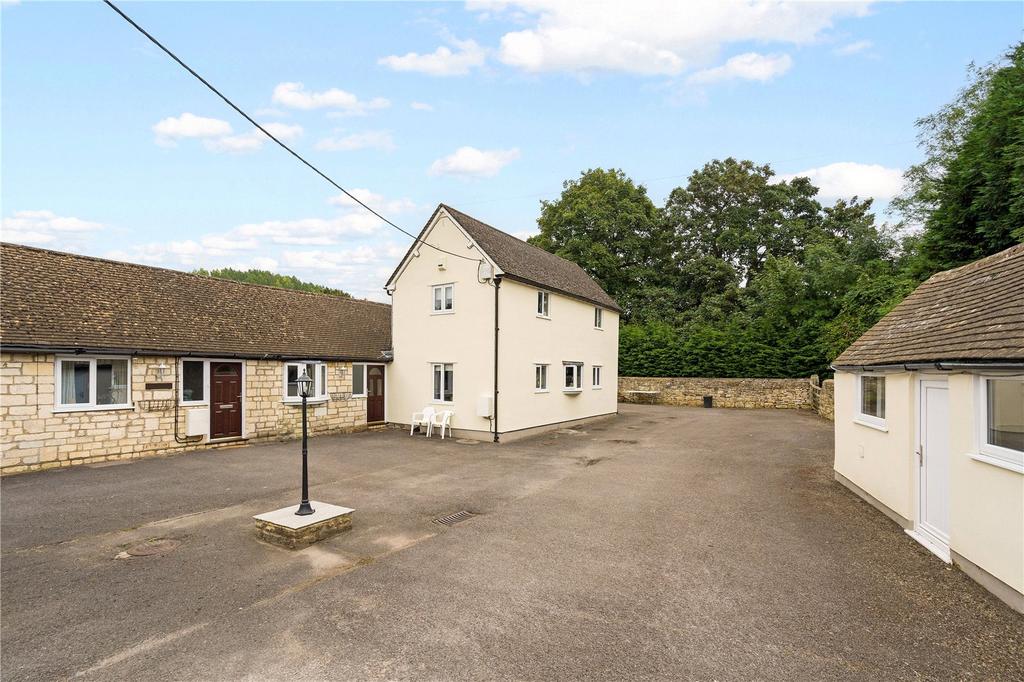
<point x="933" y="460"/>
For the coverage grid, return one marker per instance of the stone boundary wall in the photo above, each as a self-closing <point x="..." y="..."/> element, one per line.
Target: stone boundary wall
<point x="806" y="394"/>
<point x="33" y="436"/>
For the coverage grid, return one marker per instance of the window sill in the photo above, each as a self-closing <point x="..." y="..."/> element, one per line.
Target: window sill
<point x="309" y="401"/>
<point x="443" y="312"/>
<point x="997" y="462"/>
<point x="92" y="408"/>
<point x="358" y="395"/>
<point x="596" y="388"/>
<point x="544" y="317"/>
<point x="541" y="390"/>
<point x="442" y="402"/>
<point x="870" y="425"/>
<point x="598" y="329"/>
<point x="193" y="403"/>
<point x="572" y="391"/>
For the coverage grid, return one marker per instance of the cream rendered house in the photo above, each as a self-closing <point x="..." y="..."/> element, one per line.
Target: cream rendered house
<point x="510" y="338"/>
<point x="929" y="419"/>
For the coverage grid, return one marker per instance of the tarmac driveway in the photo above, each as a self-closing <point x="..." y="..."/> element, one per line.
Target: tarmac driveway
<point x="666" y="543"/>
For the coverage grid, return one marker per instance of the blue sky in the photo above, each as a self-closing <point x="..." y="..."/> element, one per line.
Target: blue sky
<point x="110" y="149"/>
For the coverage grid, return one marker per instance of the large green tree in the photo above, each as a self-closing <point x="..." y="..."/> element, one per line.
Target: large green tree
<point x="969" y="190"/>
<point x="609" y="226"/>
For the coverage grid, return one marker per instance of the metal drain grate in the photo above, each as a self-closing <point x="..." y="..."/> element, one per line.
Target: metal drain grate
<point x="452" y="519"/>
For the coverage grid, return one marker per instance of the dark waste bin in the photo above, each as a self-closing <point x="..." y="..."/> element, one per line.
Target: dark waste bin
<point x="708" y="400"/>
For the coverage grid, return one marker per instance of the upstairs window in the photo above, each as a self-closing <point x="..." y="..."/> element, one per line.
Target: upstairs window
<point x="444" y="377"/>
<point x="573" y="380"/>
<point x="317" y="371"/>
<point x="93" y="383"/>
<point x="598" y="314"/>
<point x="542" y="304"/>
<point x="1002" y="422"/>
<point x="444" y="298"/>
<point x="872" y="400"/>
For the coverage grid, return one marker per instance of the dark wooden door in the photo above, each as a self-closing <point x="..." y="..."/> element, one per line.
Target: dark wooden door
<point x="374" y="393"/>
<point x="225" y="399"/>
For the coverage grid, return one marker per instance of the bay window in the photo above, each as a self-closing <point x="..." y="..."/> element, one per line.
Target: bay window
<point x="573" y="380"/>
<point x="84" y="383"/>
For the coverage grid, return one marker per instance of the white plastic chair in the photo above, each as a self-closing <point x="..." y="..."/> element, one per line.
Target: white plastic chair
<point x="441" y="419"/>
<point x="424" y="418"/>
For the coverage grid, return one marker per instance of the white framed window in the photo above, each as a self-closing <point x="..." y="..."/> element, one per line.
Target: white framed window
<point x="540" y="375"/>
<point x="317" y="371"/>
<point x="444" y="298"/>
<point x="871" y="400"/>
<point x="92" y="383"/>
<point x="358" y="380"/>
<point x="595" y="376"/>
<point x="573" y="382"/>
<point x="542" y="304"/>
<point x="1001" y="421"/>
<point x="444" y="376"/>
<point x="598" y="318"/>
<point x="195" y="377"/>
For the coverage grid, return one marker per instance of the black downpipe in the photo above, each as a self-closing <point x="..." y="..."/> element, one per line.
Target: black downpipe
<point x="497" y="286"/>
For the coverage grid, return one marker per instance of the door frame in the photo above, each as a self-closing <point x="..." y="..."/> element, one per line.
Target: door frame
<point x="366" y="388"/>
<point x="209" y="397"/>
<point x="930" y="540"/>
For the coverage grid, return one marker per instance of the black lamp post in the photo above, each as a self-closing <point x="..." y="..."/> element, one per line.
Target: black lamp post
<point x="305" y="383"/>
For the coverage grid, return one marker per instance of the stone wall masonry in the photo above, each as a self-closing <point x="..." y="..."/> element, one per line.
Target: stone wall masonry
<point x="33" y="436"/>
<point x="739" y="393"/>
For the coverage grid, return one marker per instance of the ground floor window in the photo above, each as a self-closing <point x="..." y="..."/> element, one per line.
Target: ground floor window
<point x="317" y="371"/>
<point x="93" y="383"/>
<point x="193" y="380"/>
<point x="872" y="399"/>
<point x="358" y="380"/>
<point x="573" y="380"/>
<point x="1003" y="419"/>
<point x="595" y="375"/>
<point x="540" y="375"/>
<point x="444" y="377"/>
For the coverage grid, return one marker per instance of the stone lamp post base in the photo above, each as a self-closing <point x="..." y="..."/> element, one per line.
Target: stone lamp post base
<point x="283" y="527"/>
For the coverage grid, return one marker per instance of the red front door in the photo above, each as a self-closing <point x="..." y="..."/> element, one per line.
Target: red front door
<point x="374" y="393"/>
<point x="225" y="399"/>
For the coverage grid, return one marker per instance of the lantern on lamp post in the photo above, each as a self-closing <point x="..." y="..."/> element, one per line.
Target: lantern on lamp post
<point x="305" y="383"/>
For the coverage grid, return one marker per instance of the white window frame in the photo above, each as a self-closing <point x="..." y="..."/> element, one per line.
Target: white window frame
<point x="543" y="304"/>
<point x="433" y="298"/>
<point x="354" y="365"/>
<point x="595" y="377"/>
<point x="320" y="370"/>
<point x="1006" y="458"/>
<point x="181" y="383"/>
<point x="577" y="374"/>
<point x="599" y="318"/>
<point x="58" y="406"/>
<point x="869" y="420"/>
<point x="540" y="374"/>
<point x="439" y="399"/>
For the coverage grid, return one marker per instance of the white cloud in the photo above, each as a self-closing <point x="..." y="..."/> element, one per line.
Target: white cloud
<point x="169" y="130"/>
<point x="371" y="139"/>
<point x="421" y="106"/>
<point x="748" y="66"/>
<point x="328" y="260"/>
<point x="473" y="162"/>
<point x="310" y="231"/>
<point x="847" y="178"/>
<point x="662" y="37"/>
<point x="853" y="48"/>
<point x="254" y="139"/>
<point x="443" y="61"/>
<point x="43" y="227"/>
<point x="375" y="201"/>
<point x="295" y="96"/>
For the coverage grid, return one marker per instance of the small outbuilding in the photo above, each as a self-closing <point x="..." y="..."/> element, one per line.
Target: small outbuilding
<point x="929" y="419"/>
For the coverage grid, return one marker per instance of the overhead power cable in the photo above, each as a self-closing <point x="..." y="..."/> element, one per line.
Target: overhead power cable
<point x="288" y="149"/>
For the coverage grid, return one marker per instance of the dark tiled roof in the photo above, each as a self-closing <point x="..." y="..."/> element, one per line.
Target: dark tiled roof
<point x="974" y="313"/>
<point x="59" y="300"/>
<point x="523" y="261"/>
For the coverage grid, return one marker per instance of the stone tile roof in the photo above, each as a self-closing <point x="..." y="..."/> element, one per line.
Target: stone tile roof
<point x="53" y="300"/>
<point x="974" y="313"/>
<point x="524" y="262"/>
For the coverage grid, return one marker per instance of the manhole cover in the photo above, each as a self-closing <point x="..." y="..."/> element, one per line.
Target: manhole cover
<point x="153" y="546"/>
<point x="452" y="519"/>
